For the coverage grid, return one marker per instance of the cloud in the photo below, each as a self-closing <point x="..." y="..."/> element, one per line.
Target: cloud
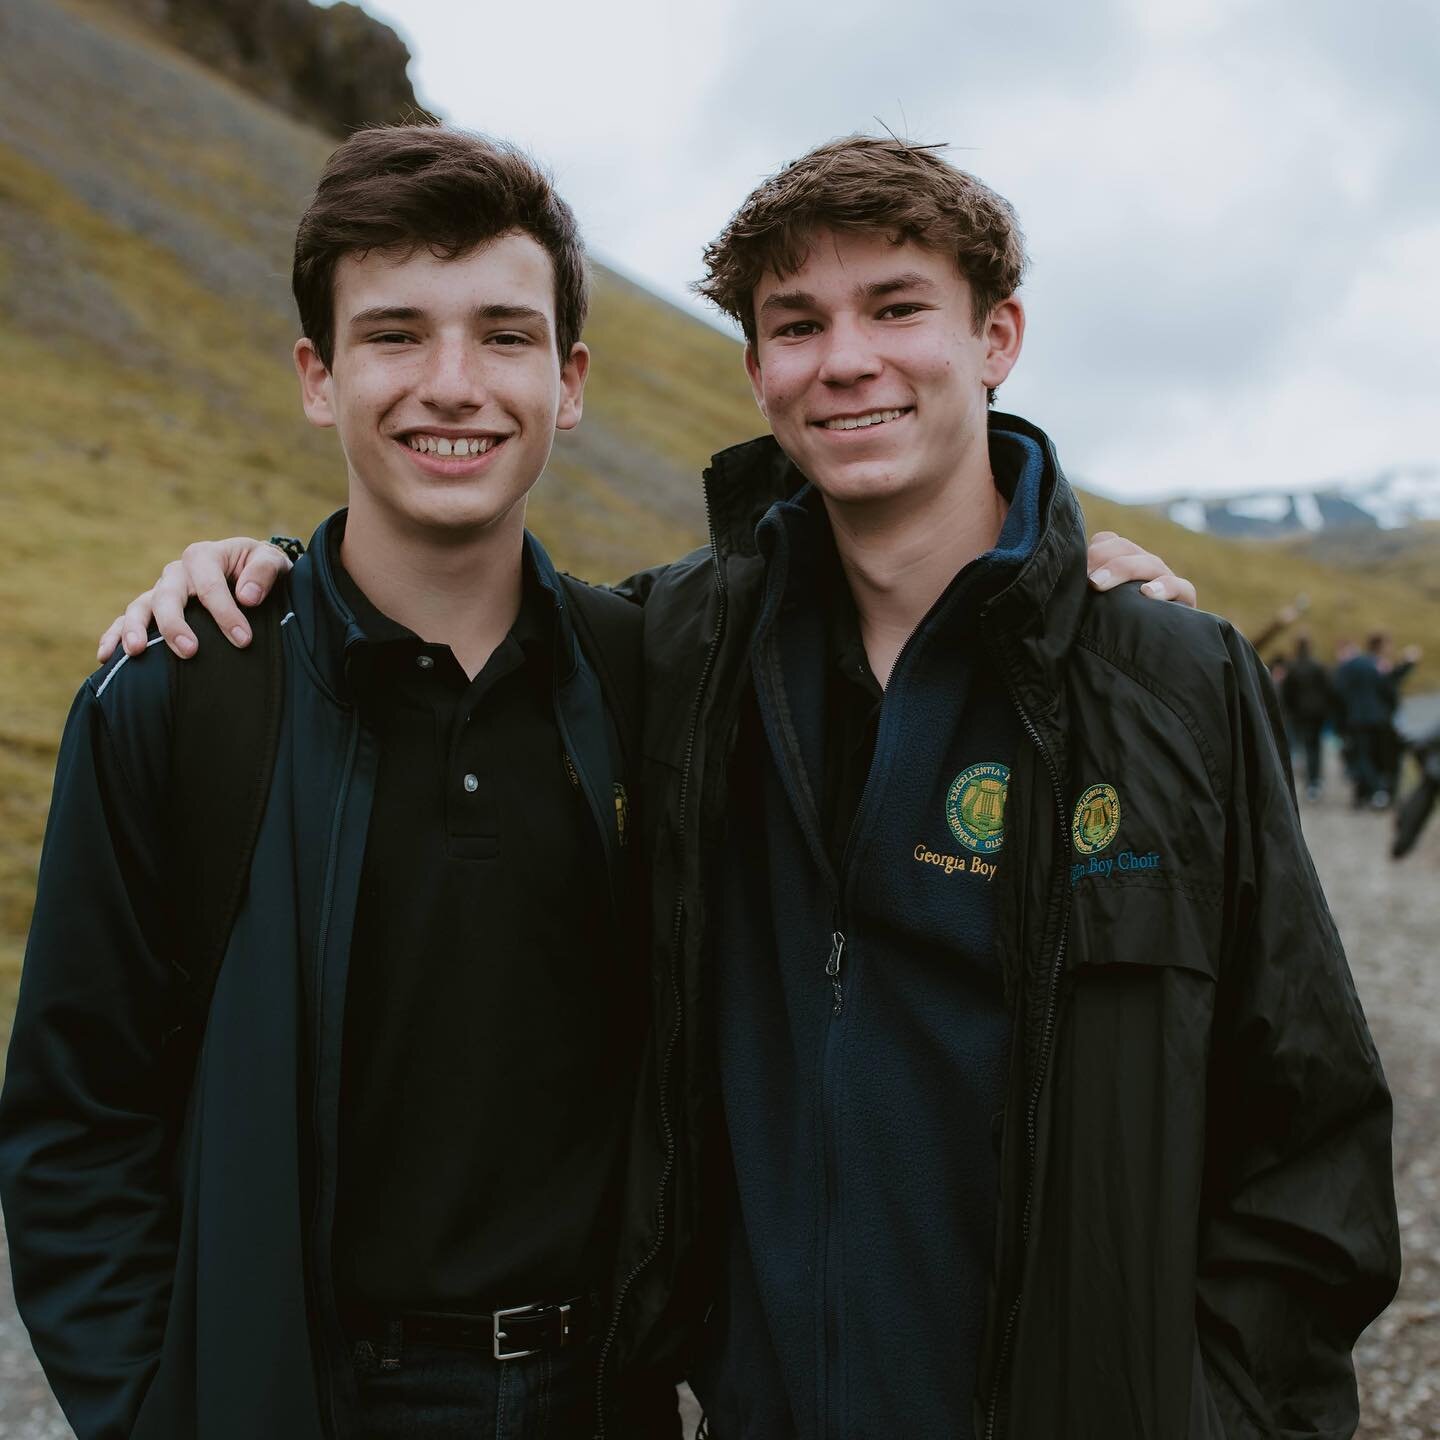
<point x="1232" y="204"/>
<point x="1220" y="198"/>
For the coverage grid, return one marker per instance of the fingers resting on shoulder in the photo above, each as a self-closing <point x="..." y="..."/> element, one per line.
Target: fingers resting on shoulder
<point x="205" y="570"/>
<point x="1113" y="560"/>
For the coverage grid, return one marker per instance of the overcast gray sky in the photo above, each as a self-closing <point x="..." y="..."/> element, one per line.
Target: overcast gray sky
<point x="1233" y="206"/>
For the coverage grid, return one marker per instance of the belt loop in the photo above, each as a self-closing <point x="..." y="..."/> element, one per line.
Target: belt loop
<point x="392" y="1344"/>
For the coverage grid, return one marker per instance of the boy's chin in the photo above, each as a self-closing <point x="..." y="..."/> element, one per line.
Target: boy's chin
<point x="861" y="485"/>
<point x="455" y="517"/>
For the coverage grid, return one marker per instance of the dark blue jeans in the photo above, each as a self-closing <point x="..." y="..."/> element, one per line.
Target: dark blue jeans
<point x="438" y="1393"/>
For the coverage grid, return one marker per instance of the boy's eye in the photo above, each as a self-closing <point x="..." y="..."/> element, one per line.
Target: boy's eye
<point x="901" y="311"/>
<point x="391" y="337"/>
<point x="509" y="338"/>
<point x="797" y="329"/>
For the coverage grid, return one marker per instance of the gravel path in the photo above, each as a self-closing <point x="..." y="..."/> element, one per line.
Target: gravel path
<point x="1389" y="916"/>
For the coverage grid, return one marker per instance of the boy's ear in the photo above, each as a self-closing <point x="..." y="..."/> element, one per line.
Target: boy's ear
<point x="1004" y="335"/>
<point x="316" y="398"/>
<point x="572" y="387"/>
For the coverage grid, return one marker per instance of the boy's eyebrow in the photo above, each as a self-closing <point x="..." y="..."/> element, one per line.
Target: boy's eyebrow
<point x="910" y="280"/>
<point x="404" y="314"/>
<point x="788" y="300"/>
<point x="526" y="313"/>
<point x="381" y="313"/>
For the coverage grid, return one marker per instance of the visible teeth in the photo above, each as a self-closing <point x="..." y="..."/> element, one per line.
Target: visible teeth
<point x="440" y="445"/>
<point x="859" y="422"/>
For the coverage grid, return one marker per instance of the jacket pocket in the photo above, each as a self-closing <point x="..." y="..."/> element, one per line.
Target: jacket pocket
<point x="1144" y="920"/>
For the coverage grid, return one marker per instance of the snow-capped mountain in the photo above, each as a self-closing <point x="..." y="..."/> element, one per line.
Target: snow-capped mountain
<point x="1390" y="500"/>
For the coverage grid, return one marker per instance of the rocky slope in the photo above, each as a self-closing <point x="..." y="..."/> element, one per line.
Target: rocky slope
<point x="336" y="67"/>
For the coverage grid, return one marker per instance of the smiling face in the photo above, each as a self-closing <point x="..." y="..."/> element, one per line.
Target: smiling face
<point x="445" y="386"/>
<point x="867" y="364"/>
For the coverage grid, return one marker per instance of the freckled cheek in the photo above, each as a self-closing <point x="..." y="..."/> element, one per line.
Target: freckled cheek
<point x="379" y="393"/>
<point x="782" y="392"/>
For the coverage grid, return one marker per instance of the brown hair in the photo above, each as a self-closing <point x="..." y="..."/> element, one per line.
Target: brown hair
<point x="864" y="182"/>
<point x="400" y="187"/>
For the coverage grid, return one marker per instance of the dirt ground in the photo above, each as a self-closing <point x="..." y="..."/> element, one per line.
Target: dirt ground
<point x="1389" y="916"/>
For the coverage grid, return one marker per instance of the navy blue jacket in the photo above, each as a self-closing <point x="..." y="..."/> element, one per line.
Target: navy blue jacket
<point x="1195" y="1216"/>
<point x="174" y="1271"/>
<point x="874" y="1295"/>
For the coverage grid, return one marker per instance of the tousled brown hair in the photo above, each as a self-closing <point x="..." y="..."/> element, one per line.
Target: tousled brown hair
<point x="401" y="187"/>
<point x="866" y="182"/>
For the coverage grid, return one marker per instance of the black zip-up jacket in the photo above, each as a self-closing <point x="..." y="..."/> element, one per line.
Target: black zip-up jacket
<point x="174" y="1272"/>
<point x="1196" y="1213"/>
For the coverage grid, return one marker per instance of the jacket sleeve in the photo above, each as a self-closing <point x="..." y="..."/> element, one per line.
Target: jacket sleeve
<point x="85" y="1142"/>
<point x="637" y="587"/>
<point x="1298" y="1243"/>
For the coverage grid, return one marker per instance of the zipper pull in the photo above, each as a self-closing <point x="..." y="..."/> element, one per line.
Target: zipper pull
<point x="832" y="967"/>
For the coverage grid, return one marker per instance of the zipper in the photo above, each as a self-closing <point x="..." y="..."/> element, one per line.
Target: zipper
<point x="829" y="1080"/>
<point x="832" y="969"/>
<point x="837" y="937"/>
<point x="677" y="931"/>
<point x="317" y="1240"/>
<point x="1047" y="1034"/>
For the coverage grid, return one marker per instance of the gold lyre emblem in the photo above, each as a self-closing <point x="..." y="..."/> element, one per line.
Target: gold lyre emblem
<point x="1097" y="819"/>
<point x="975" y="806"/>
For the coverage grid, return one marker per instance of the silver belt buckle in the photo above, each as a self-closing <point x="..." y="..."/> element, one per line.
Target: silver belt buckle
<point x="499" y="1329"/>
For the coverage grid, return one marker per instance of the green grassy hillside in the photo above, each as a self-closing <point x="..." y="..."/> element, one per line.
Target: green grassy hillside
<point x="1249" y="581"/>
<point x="145" y="329"/>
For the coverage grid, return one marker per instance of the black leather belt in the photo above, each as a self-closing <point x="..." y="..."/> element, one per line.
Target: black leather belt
<point x="508" y="1334"/>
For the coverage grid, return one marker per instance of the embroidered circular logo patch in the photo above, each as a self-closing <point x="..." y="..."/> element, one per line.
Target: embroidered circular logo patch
<point x="975" y="807"/>
<point x="1097" y="818"/>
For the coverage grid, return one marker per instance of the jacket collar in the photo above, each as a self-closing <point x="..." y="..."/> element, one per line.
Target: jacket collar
<point x="333" y="634"/>
<point x="741" y="485"/>
<point x="1032" y="622"/>
<point x="1033" y="619"/>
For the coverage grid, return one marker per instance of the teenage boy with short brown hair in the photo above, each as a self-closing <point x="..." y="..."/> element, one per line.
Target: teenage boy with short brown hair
<point x="395" y="1199"/>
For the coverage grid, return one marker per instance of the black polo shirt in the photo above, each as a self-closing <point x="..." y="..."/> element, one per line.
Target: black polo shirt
<point x="484" y="1076"/>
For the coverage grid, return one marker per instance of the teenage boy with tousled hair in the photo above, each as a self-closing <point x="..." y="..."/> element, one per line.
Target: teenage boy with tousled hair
<point x="662" y="1288"/>
<point x="1051" y="1106"/>
<point x="393" y="1199"/>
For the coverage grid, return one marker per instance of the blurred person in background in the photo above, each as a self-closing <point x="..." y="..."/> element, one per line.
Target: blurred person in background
<point x="1367" y="689"/>
<point x="1393" y="675"/>
<point x="1308" y="699"/>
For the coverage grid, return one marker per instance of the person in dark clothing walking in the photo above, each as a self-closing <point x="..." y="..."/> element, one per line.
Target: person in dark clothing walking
<point x="1309" y="701"/>
<point x="1392" y="676"/>
<point x="1368" y="696"/>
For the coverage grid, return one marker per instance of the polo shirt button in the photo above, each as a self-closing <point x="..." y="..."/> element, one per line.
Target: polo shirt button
<point x="425" y="662"/>
<point x="472" y="784"/>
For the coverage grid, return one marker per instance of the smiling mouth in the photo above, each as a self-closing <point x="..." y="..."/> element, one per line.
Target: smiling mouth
<point x="457" y="446"/>
<point x="862" y="422"/>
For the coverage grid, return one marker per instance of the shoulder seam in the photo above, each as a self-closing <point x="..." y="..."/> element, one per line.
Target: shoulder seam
<point x="1181" y="712"/>
<point x="119" y="665"/>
